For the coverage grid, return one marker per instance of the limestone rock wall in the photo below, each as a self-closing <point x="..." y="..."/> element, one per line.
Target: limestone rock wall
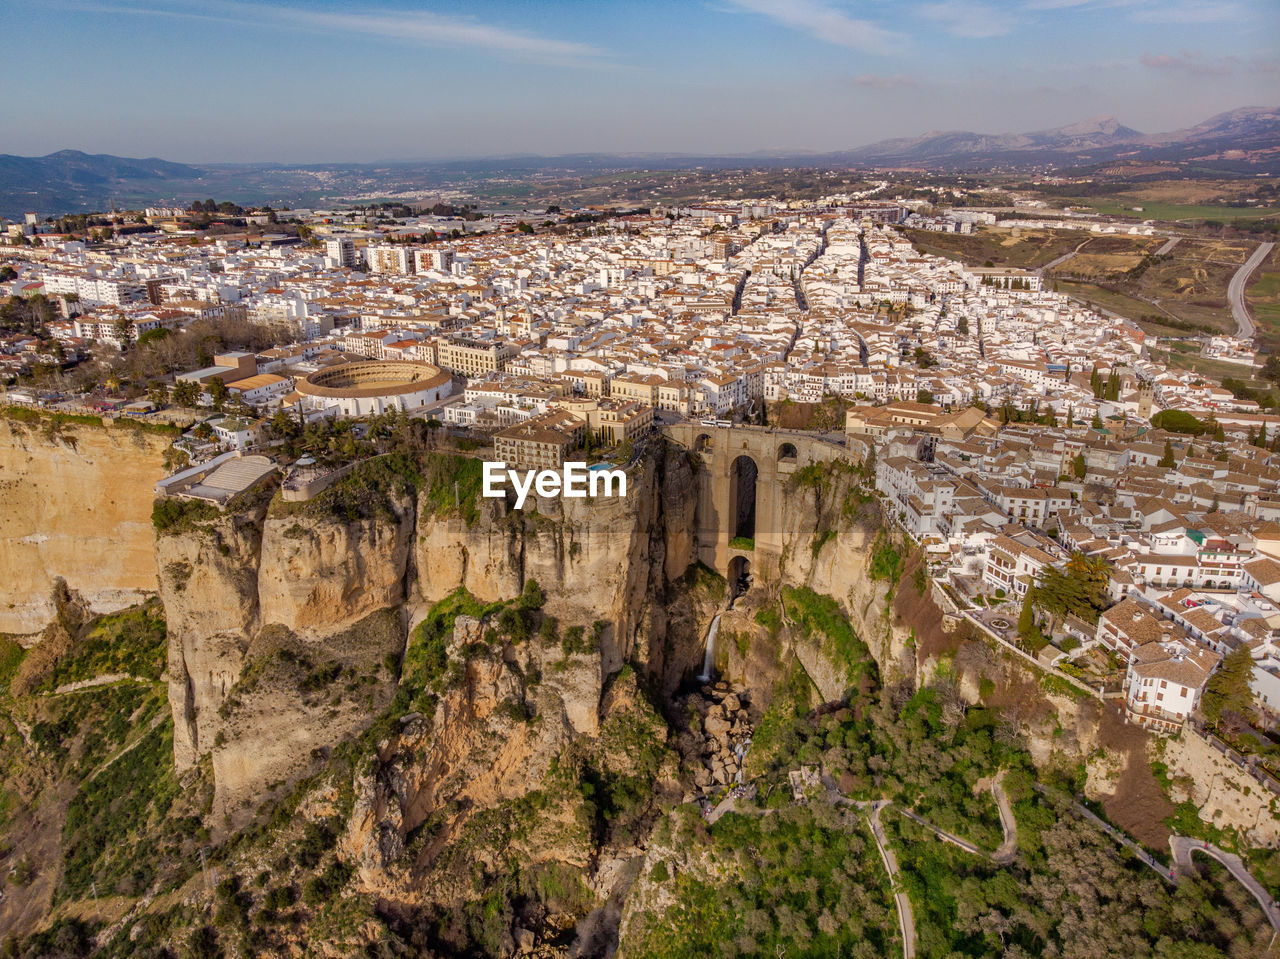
<point x="75" y="503"/>
<point x="209" y="586"/>
<point x="318" y="576"/>
<point x="828" y="537"/>
<point x="253" y="595"/>
<point x="1224" y="794"/>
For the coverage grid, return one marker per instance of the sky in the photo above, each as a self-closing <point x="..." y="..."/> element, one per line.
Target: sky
<point x="318" y="82"/>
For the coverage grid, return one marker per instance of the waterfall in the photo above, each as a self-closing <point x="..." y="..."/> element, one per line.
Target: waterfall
<point x="711" y="649"/>
<point x="740" y="752"/>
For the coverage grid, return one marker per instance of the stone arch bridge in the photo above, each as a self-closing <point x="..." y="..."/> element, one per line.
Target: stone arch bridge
<point x="742" y="487"/>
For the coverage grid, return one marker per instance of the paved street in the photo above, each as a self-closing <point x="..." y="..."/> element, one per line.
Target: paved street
<point x="906" y="919"/>
<point x="1245" y="327"/>
<point x="1184" y="846"/>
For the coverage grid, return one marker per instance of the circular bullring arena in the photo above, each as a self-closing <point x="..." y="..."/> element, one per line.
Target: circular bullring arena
<point x="366" y="387"/>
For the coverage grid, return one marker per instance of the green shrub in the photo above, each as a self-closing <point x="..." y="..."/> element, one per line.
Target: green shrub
<point x="172" y="516"/>
<point x="886" y="561"/>
<point x="132" y="641"/>
<point x="814" y="612"/>
<point x="820" y="540"/>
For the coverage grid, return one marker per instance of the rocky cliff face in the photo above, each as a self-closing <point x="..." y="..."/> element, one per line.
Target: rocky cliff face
<point x="75" y="503"/>
<point x="603" y="558"/>
<point x="209" y="586"/>
<point x="278" y="628"/>
<point x="292" y="636"/>
<point x="253" y="593"/>
<point x="318" y="576"/>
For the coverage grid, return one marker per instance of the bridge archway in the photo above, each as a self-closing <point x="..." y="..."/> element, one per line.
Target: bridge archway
<point x="743" y="477"/>
<point x="727" y="488"/>
<point x="739" y="576"/>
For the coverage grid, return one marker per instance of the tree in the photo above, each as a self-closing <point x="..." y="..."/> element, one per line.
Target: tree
<point x="1078" y="466"/>
<point x="1079" y="590"/>
<point x="1177" y="421"/>
<point x="1167" y="461"/>
<point x="284" y="426"/>
<point x="532" y="596"/>
<point x="1112" y="391"/>
<point x="1261" y="441"/>
<point x="1271" y="368"/>
<point x="1228" y="688"/>
<point x="218" y="392"/>
<point x="962" y="326"/>
<point x="924" y="396"/>
<point x="124" y="331"/>
<point x="433" y="429"/>
<point x="185" y="393"/>
<point x="1026" y="618"/>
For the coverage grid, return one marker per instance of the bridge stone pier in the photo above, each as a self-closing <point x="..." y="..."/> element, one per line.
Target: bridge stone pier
<point x="743" y="489"/>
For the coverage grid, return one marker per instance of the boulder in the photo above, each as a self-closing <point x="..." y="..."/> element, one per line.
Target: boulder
<point x="717" y="727"/>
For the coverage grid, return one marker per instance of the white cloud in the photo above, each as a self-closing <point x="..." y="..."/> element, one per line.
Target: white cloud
<point x="1151" y="11"/>
<point x="1190" y="63"/>
<point x="823" y="22"/>
<point x="1074" y="4"/>
<point x="418" y="27"/>
<point x="1190" y="11"/>
<point x="970" y="19"/>
<point x="877" y="82"/>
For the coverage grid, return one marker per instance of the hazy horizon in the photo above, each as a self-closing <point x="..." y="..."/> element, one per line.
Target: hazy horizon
<point x="298" y="83"/>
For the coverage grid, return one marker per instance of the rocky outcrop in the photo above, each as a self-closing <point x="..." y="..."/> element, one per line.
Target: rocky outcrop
<point x="302" y="582"/>
<point x="265" y="612"/>
<point x="491" y="738"/>
<point x="296" y="697"/>
<point x="1223" y="793"/>
<point x="602" y="559"/>
<point x="318" y="576"/>
<point x="75" y="504"/>
<point x="829" y="536"/>
<point x="209" y="586"/>
<point x="724" y="729"/>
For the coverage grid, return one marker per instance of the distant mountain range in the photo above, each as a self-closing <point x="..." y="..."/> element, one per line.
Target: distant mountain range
<point x="1251" y="132"/>
<point x="1244" y="141"/>
<point x="70" y="181"/>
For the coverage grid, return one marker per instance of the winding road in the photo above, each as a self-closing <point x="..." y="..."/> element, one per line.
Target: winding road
<point x="1184" y="846"/>
<point x="906" y="918"/>
<point x="1245" y="328"/>
<point x="1009" y="847"/>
